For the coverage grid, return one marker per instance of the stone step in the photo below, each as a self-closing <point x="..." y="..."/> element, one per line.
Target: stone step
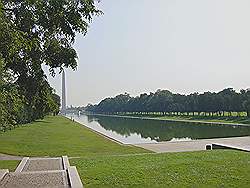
<point x="38" y="164"/>
<point x="36" y="179"/>
<point x="42" y="172"/>
<point x="3" y="172"/>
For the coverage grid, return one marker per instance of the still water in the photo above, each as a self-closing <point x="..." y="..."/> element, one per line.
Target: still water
<point x="134" y="131"/>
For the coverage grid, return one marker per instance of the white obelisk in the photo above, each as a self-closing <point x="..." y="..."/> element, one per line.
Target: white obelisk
<point x="63" y="94"/>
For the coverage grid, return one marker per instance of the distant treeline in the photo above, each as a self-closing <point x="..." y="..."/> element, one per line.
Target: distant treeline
<point x="166" y="102"/>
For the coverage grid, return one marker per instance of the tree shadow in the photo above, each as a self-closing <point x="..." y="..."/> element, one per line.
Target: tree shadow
<point x="42" y="121"/>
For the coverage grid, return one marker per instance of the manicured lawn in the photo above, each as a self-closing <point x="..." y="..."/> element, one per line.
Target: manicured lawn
<point x="243" y="120"/>
<point x="225" y="119"/>
<point x="11" y="165"/>
<point x="57" y="136"/>
<point x="222" y="168"/>
<point x="104" y="163"/>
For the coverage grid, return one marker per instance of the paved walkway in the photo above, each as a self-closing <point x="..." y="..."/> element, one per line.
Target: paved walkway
<point x="9" y="157"/>
<point x="41" y="172"/>
<point x="240" y="143"/>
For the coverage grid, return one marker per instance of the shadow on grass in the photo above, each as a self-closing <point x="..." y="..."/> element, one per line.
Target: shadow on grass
<point x="42" y="121"/>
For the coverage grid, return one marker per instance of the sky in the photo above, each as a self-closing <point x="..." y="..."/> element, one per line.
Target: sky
<point x="143" y="45"/>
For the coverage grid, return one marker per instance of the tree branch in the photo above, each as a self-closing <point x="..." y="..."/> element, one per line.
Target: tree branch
<point x="7" y="9"/>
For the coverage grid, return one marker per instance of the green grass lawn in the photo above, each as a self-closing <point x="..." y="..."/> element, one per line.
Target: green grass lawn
<point x="243" y="120"/>
<point x="225" y="119"/>
<point x="11" y="165"/>
<point x="57" y="136"/>
<point x="221" y="168"/>
<point x="104" y="163"/>
<point x="240" y="120"/>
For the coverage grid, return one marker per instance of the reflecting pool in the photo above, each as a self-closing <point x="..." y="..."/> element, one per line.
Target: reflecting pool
<point x="136" y="130"/>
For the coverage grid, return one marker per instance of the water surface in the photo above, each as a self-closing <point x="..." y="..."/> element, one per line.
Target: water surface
<point x="134" y="131"/>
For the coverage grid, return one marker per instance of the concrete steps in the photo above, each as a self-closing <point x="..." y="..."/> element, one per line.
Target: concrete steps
<point x="42" y="172"/>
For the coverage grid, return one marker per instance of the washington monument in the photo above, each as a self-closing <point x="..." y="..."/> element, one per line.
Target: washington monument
<point x="63" y="110"/>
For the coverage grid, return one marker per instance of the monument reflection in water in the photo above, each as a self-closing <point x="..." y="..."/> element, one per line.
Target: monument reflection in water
<point x="132" y="131"/>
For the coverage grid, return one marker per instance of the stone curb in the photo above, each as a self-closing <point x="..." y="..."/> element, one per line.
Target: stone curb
<point x="22" y="164"/>
<point x="99" y="133"/>
<point x="69" y="173"/>
<point x="74" y="179"/>
<point x="3" y="172"/>
<point x="65" y="161"/>
<point x="44" y="158"/>
<point x="39" y="172"/>
<point x="226" y="146"/>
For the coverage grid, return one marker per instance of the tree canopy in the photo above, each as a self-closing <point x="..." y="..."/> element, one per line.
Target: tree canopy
<point x="164" y="101"/>
<point x="32" y="34"/>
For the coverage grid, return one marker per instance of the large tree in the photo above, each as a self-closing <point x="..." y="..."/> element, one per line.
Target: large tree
<point x="37" y="32"/>
<point x="49" y="28"/>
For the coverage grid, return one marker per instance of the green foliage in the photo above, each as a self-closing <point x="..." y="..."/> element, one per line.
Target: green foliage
<point x="49" y="27"/>
<point x="33" y="33"/>
<point x="11" y="107"/>
<point x="56" y="104"/>
<point x="246" y="101"/>
<point x="168" y="103"/>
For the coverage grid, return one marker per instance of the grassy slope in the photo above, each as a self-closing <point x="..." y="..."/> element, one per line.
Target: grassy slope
<point x="242" y="120"/>
<point x="57" y="136"/>
<point x="194" y="169"/>
<point x="11" y="165"/>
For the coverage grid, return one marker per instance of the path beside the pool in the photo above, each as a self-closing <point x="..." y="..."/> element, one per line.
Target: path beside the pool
<point x="238" y="143"/>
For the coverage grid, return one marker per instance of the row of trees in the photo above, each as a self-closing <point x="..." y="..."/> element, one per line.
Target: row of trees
<point x="34" y="34"/>
<point x="166" y="102"/>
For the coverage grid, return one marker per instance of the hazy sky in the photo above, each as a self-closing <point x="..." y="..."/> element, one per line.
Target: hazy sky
<point x="143" y="45"/>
